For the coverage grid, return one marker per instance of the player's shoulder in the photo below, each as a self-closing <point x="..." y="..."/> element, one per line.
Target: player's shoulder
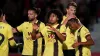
<point x="61" y="26"/>
<point x="84" y="29"/>
<point x="25" y="23"/>
<point x="41" y="23"/>
<point x="7" y="25"/>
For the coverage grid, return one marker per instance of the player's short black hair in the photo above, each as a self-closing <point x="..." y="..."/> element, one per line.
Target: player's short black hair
<point x="72" y="4"/>
<point x="37" y="10"/>
<point x="72" y="20"/>
<point x="1" y="12"/>
<point x="56" y="12"/>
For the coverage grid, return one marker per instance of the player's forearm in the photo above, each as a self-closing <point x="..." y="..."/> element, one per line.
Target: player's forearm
<point x="61" y="37"/>
<point x="65" y="22"/>
<point x="88" y="43"/>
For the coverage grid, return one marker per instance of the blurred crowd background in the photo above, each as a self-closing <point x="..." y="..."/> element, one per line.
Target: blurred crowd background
<point x="88" y="11"/>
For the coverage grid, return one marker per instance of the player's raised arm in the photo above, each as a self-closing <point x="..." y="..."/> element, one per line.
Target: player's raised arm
<point x="61" y="36"/>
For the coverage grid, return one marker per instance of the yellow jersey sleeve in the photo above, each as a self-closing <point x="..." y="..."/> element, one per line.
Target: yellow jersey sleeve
<point x="20" y="27"/>
<point x="10" y="33"/>
<point x="10" y="36"/>
<point x="84" y="31"/>
<point x="12" y="42"/>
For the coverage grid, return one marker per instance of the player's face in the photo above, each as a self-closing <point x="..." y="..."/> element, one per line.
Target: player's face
<point x="72" y="26"/>
<point x="53" y="18"/>
<point x="71" y="10"/>
<point x="31" y="15"/>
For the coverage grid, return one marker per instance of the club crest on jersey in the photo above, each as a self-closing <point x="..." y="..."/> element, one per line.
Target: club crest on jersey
<point x="51" y="36"/>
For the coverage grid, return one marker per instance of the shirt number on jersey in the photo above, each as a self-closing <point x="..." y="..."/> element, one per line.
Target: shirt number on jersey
<point x="1" y="38"/>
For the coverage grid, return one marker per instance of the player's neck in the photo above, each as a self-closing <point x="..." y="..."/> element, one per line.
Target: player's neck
<point x="34" y="20"/>
<point x="67" y="15"/>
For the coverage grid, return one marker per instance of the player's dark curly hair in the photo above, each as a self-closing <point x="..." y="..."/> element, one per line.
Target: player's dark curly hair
<point x="56" y="12"/>
<point x="37" y="10"/>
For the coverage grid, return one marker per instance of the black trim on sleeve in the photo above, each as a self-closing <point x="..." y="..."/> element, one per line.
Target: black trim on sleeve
<point x="11" y="38"/>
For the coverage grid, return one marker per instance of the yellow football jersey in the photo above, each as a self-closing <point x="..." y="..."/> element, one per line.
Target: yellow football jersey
<point x="5" y="34"/>
<point x="53" y="46"/>
<point x="70" y="38"/>
<point x="83" y="32"/>
<point x="31" y="47"/>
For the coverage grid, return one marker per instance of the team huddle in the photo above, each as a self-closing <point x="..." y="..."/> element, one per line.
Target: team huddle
<point x="60" y="35"/>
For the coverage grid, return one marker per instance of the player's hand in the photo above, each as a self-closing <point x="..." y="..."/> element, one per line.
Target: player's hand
<point x="71" y="16"/>
<point x="75" y="44"/>
<point x="68" y="18"/>
<point x="51" y="28"/>
<point x="35" y="27"/>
